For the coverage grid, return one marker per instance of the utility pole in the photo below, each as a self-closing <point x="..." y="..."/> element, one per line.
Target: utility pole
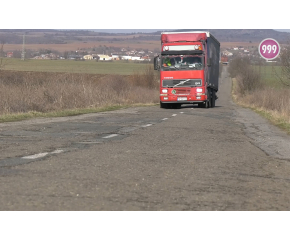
<point x="23" y="48"/>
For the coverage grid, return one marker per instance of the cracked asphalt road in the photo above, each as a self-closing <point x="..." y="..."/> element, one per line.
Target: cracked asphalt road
<point x="147" y="158"/>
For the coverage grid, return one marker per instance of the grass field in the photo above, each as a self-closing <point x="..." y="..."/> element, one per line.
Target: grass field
<point x="71" y="66"/>
<point x="269" y="75"/>
<point x="26" y="94"/>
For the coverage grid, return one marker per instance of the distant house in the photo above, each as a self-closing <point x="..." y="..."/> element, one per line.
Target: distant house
<point x="127" y="57"/>
<point x="104" y="57"/>
<point x="115" y="57"/>
<point x="136" y="59"/>
<point x="235" y="48"/>
<point x="88" y="57"/>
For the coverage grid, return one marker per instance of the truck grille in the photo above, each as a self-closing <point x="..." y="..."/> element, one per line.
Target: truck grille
<point x="181" y="83"/>
<point x="182" y="91"/>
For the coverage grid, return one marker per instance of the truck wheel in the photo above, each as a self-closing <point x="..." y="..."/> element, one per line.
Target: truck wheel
<point x="203" y="105"/>
<point x="209" y="98"/>
<point x="207" y="104"/>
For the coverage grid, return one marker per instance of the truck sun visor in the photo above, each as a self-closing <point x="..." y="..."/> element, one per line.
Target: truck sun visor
<point x="179" y="37"/>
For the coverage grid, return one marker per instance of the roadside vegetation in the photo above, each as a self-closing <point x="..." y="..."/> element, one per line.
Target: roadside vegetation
<point x="267" y="94"/>
<point x="35" y="94"/>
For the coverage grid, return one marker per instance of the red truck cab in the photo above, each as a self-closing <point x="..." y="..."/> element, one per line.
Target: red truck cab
<point x="189" y="69"/>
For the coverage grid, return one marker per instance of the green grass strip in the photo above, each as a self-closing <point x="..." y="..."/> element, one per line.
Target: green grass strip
<point x="65" y="113"/>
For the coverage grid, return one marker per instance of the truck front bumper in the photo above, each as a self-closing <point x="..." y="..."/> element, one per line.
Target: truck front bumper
<point x="183" y="99"/>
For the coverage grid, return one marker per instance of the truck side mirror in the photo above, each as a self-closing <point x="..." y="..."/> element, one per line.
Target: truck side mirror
<point x="209" y="62"/>
<point x="156" y="63"/>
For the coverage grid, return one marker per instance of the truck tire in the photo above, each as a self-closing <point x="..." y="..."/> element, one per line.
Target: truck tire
<point x="207" y="104"/>
<point x="208" y="101"/>
<point x="204" y="104"/>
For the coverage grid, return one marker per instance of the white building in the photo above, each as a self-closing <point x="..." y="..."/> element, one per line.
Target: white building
<point x="88" y="57"/>
<point x="104" y="57"/>
<point x="136" y="59"/>
<point x="115" y="57"/>
<point x="127" y="57"/>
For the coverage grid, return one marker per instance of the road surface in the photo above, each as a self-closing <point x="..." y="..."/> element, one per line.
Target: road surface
<point x="147" y="158"/>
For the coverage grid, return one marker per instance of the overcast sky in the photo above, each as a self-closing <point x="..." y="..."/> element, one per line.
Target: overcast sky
<point x="149" y="15"/>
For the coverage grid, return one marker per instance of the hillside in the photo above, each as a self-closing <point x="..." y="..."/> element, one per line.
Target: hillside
<point x="33" y="36"/>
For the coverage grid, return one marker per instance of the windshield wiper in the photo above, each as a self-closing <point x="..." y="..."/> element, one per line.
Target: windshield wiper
<point x="181" y="82"/>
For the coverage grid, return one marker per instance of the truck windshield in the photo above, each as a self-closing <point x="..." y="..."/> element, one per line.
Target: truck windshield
<point x="181" y="62"/>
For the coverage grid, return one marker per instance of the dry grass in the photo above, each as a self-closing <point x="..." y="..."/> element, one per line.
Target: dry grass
<point x="24" y="92"/>
<point x="274" y="101"/>
<point x="271" y="103"/>
<point x="249" y="91"/>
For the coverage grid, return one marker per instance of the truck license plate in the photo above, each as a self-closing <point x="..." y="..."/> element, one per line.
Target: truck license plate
<point x="182" y="99"/>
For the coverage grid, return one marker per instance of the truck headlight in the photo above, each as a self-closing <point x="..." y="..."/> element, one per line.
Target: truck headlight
<point x="199" y="90"/>
<point x="164" y="90"/>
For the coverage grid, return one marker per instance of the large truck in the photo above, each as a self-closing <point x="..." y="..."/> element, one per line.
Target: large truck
<point x="224" y="60"/>
<point x="189" y="69"/>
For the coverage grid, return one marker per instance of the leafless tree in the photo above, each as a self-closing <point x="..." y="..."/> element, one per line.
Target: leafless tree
<point x="284" y="76"/>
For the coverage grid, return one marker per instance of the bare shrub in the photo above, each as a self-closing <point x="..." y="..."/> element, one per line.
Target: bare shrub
<point x="274" y="100"/>
<point x="43" y="92"/>
<point x="148" y="78"/>
<point x="284" y="77"/>
<point x="248" y="79"/>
